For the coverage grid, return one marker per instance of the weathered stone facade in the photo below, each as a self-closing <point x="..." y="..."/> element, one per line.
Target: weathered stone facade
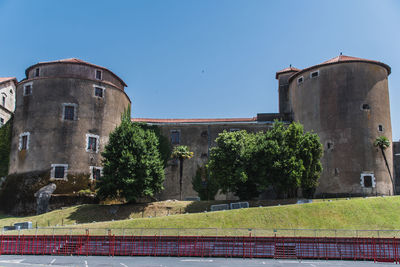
<point x="66" y="109"/>
<point x="7" y="98"/>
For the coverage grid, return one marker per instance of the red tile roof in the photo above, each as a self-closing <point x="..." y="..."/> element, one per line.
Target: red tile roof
<point x="6" y="79"/>
<point x="342" y="59"/>
<point x="289" y="69"/>
<point x="193" y="120"/>
<point x="75" y="61"/>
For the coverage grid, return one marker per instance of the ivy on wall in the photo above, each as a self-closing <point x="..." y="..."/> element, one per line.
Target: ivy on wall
<point x="5" y="146"/>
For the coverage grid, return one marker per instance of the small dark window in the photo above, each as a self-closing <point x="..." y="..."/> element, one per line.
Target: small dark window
<point x="175" y="137"/>
<point x="28" y="89"/>
<point x="380" y="128"/>
<point x="96" y="173"/>
<point x="24" y="142"/>
<point x="59" y="172"/>
<point x="300" y="80"/>
<point x="3" y="101"/>
<point x="234" y="130"/>
<point x="92" y="144"/>
<point x="98" y="74"/>
<point x="314" y="74"/>
<point x="365" y="107"/>
<point x="69" y="113"/>
<point x="367" y="181"/>
<point x="37" y="72"/>
<point x="1" y="122"/>
<point x="98" y="91"/>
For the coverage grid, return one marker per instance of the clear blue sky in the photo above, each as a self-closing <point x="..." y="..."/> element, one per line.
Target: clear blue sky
<point x="205" y="58"/>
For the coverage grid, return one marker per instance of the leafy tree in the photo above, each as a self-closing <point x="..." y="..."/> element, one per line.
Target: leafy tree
<point x="206" y="188"/>
<point x="284" y="158"/>
<point x="229" y="163"/>
<point x="181" y="153"/>
<point x="164" y="145"/>
<point x="133" y="167"/>
<point x="5" y="147"/>
<point x="382" y="142"/>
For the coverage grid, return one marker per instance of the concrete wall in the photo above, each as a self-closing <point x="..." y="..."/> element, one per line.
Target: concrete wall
<point x="199" y="138"/>
<point x="331" y="105"/>
<point x="53" y="140"/>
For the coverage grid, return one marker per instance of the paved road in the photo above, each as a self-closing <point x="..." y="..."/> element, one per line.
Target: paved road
<point x="68" y="261"/>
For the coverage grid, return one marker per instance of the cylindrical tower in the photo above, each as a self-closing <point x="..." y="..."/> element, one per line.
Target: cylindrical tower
<point x="65" y="111"/>
<point x="346" y="102"/>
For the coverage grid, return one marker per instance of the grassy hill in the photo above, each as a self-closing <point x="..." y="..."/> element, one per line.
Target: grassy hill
<point x="360" y="213"/>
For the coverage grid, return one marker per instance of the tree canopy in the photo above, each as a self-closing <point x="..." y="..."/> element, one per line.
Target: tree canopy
<point x="132" y="164"/>
<point x="284" y="158"/>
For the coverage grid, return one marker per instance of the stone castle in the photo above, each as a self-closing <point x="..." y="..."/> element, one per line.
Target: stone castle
<point x="66" y="109"/>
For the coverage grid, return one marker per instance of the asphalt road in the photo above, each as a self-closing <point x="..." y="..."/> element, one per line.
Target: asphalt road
<point x="64" y="261"/>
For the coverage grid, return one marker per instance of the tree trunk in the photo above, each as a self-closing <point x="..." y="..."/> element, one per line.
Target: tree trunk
<point x="180" y="177"/>
<point x="387" y="166"/>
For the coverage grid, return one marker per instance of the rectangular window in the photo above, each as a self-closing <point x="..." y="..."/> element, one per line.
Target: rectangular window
<point x="98" y="91"/>
<point x="24" y="141"/>
<point x="3" y="101"/>
<point x="37" y="72"/>
<point x="175" y="137"/>
<point x="300" y="80"/>
<point x="367" y="180"/>
<point x="99" y="74"/>
<point x="96" y="173"/>
<point x="59" y="171"/>
<point x="27" y="89"/>
<point x="69" y="111"/>
<point x="92" y="143"/>
<point x="1" y="122"/>
<point x="314" y="74"/>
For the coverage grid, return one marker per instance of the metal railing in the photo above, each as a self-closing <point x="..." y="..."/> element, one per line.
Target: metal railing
<point x="376" y="249"/>
<point x="205" y="232"/>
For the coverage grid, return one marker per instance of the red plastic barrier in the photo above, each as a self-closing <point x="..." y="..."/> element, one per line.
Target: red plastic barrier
<point x="376" y="249"/>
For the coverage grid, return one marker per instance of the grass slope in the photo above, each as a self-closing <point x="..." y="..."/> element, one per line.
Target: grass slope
<point x="361" y="213"/>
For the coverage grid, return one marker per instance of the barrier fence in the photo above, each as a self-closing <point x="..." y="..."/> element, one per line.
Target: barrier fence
<point x="205" y="232"/>
<point x="374" y="249"/>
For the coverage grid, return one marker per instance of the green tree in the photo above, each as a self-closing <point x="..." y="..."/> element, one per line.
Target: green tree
<point x="164" y="145"/>
<point x="5" y="147"/>
<point x="206" y="188"/>
<point x="229" y="163"/>
<point x="132" y="165"/>
<point x="382" y="142"/>
<point x="284" y="158"/>
<point x="181" y="153"/>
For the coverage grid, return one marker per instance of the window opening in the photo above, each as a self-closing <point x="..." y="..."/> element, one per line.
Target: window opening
<point x="3" y="101"/>
<point x="24" y="141"/>
<point x="300" y="80"/>
<point x="27" y="89"/>
<point x="59" y="171"/>
<point x="367" y="180"/>
<point x="99" y="74"/>
<point x="175" y="137"/>
<point x="314" y="74"/>
<point x="1" y="122"/>
<point x="365" y="107"/>
<point x="234" y="130"/>
<point x="96" y="173"/>
<point x="69" y="113"/>
<point x="98" y="91"/>
<point x="92" y="143"/>
<point x="37" y="72"/>
<point x="380" y="128"/>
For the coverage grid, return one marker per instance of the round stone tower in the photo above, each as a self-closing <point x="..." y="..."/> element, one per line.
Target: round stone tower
<point x="65" y="111"/>
<point x="346" y="102"/>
